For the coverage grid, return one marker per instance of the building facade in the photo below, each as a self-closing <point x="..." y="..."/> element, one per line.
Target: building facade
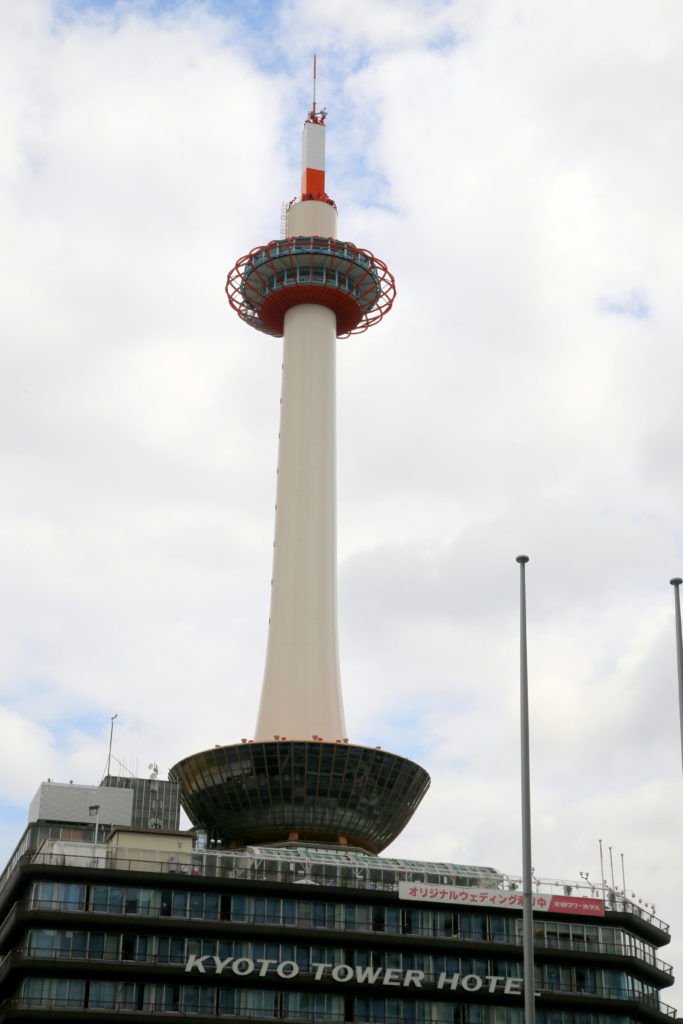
<point x="149" y="926"/>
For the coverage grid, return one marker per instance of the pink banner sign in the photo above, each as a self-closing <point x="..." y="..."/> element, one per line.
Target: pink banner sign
<point x="541" y="902"/>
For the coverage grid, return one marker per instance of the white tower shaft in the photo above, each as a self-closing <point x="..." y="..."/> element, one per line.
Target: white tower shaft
<point x="301" y="696"/>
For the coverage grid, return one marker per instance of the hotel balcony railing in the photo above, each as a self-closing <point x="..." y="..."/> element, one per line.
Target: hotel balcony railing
<point x="312" y="1017"/>
<point x="309" y="922"/>
<point x="208" y="864"/>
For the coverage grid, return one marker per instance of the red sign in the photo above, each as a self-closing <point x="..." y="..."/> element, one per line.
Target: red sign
<point x="577" y="905"/>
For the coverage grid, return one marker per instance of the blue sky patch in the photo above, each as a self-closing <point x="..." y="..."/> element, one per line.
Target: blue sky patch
<point x="632" y="303"/>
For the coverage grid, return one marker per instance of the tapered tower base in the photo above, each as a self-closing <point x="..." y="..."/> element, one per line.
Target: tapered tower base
<point x="252" y="793"/>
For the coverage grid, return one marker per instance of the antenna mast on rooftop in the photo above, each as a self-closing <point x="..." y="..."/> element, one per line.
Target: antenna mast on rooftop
<point x="111" y="738"/>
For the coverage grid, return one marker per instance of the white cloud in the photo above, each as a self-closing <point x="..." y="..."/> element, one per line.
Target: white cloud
<point x="518" y="167"/>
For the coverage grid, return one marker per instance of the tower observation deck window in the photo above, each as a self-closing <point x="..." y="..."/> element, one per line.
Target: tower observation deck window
<point x="310" y="269"/>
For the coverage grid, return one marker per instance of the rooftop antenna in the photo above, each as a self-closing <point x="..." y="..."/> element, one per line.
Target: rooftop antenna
<point x="124" y="767"/>
<point x="111" y="737"/>
<point x="315" y="116"/>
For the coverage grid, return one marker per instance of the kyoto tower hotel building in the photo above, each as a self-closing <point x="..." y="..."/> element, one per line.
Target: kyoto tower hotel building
<point x="276" y="905"/>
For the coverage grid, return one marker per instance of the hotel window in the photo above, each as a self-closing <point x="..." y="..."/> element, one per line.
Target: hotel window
<point x="179" y="904"/>
<point x="130" y="996"/>
<point x="585" y="979"/>
<point x="616" y="984"/>
<point x="324" y="955"/>
<point x="103" y="946"/>
<point x="417" y="922"/>
<point x="507" y="968"/>
<point x="386" y="919"/>
<point x="134" y="947"/>
<point x="168" y="997"/>
<point x="54" y="992"/>
<point x="288" y="911"/>
<point x="45" y="895"/>
<point x="102" y="995"/>
<point x="73" y="896"/>
<point x="200" y="947"/>
<point x="56" y="895"/>
<point x="170" y="950"/>
<point x="266" y="911"/>
<point x="302" y="956"/>
<point x="558" y="935"/>
<point x="612" y="939"/>
<point x="502" y="928"/>
<point x="312" y="1006"/>
<point x="361" y="958"/>
<point x="325" y="915"/>
<point x="554" y="1017"/>
<point x="238" y="909"/>
<point x="107" y="899"/>
<point x="41" y="941"/>
<point x="198" y="999"/>
<point x="226" y="948"/>
<point x="449" y="965"/>
<point x="142" y="901"/>
<point x="71" y="943"/>
<point x="247" y="1002"/>
<point x="357" y="918"/>
<point x="473" y="926"/>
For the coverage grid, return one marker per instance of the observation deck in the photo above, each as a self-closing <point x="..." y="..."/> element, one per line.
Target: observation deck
<point x="251" y="793"/>
<point x="273" y="278"/>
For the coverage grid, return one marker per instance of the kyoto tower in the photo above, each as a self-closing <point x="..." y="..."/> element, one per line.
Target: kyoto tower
<point x="300" y="779"/>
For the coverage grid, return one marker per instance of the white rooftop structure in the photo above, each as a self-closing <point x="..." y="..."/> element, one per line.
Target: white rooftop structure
<point x="64" y="801"/>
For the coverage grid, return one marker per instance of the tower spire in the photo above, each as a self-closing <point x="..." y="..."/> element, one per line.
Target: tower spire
<point x="313" y="149"/>
<point x="301" y="778"/>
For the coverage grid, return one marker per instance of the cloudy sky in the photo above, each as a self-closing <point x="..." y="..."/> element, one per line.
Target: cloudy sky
<point x="518" y="165"/>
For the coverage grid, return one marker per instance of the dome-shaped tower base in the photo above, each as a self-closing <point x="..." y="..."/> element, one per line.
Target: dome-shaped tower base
<point x="252" y="793"/>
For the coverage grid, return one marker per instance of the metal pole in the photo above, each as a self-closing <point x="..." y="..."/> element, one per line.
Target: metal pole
<point x="96" y="809"/>
<point x="111" y="737"/>
<point x="527" y="911"/>
<point x="611" y="867"/>
<point x="603" y="880"/>
<point x="675" y="583"/>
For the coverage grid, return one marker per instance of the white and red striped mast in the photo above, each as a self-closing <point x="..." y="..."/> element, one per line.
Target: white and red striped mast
<point x="311" y="288"/>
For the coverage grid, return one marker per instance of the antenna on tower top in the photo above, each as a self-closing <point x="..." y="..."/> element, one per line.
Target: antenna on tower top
<point x="315" y="117"/>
